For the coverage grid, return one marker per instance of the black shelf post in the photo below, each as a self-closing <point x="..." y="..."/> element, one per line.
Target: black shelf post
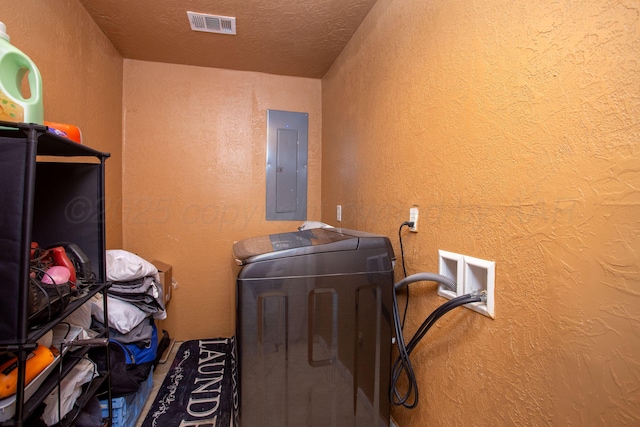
<point x="36" y="193"/>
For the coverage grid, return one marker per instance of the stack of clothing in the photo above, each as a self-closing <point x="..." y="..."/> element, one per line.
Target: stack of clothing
<point x="134" y="301"/>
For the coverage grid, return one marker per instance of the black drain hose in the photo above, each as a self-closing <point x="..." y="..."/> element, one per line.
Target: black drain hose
<point x="403" y="362"/>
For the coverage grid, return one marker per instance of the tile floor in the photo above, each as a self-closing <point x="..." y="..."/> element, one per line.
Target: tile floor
<point x="158" y="378"/>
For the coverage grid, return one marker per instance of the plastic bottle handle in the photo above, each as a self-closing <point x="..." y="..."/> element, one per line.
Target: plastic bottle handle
<point x="22" y="66"/>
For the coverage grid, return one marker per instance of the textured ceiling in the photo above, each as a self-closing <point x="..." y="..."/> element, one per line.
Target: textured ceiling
<point x="287" y="37"/>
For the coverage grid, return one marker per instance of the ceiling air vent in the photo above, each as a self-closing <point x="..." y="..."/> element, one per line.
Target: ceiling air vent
<point x="212" y="23"/>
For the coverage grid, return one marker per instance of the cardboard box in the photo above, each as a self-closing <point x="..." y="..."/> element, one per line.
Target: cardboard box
<point x="164" y="270"/>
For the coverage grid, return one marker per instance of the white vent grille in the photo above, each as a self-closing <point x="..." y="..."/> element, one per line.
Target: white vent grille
<point x="212" y="23"/>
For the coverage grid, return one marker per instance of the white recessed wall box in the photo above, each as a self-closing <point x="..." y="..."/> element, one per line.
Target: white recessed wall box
<point x="471" y="275"/>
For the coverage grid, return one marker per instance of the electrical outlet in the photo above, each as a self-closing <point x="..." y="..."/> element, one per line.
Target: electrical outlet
<point x="413" y="217"/>
<point x="338" y="212"/>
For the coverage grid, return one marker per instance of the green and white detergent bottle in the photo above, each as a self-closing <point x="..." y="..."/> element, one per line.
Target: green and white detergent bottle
<point x="16" y="105"/>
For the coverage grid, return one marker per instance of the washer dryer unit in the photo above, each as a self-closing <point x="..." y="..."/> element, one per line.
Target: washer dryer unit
<point x="314" y="329"/>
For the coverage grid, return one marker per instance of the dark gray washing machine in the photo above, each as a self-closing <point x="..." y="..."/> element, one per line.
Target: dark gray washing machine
<point x="314" y="329"/>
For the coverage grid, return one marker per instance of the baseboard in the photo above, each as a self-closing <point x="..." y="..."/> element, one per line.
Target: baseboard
<point x="167" y="351"/>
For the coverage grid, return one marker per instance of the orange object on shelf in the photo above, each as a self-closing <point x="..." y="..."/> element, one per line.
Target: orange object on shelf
<point x="68" y="131"/>
<point x="37" y="361"/>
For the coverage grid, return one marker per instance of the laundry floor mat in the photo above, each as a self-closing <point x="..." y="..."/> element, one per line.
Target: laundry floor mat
<point x="200" y="388"/>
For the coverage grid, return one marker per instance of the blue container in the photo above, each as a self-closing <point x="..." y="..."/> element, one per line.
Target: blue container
<point x="127" y="409"/>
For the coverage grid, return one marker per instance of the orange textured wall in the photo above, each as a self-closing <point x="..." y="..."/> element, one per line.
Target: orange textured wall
<point x="194" y="177"/>
<point x="514" y="127"/>
<point x="82" y="81"/>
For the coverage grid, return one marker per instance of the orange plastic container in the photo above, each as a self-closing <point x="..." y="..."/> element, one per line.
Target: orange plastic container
<point x="68" y="131"/>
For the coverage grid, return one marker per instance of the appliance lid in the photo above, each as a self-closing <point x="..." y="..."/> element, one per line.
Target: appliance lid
<point x="297" y="243"/>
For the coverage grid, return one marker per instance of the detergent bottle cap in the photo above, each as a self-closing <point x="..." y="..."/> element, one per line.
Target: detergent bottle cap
<point x="3" y="31"/>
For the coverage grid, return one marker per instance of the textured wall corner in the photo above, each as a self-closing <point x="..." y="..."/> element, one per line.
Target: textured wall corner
<point x="194" y="177"/>
<point x="514" y="127"/>
<point x="82" y="82"/>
